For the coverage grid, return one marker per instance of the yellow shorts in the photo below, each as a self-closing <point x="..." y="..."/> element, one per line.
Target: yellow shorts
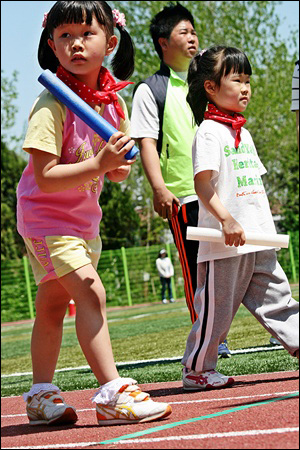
<point x="52" y="257"/>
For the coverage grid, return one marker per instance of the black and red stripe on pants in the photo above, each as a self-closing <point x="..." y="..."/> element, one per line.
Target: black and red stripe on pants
<point x="187" y="250"/>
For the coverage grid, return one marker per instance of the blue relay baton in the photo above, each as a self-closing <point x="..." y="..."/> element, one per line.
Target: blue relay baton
<point x="79" y="107"/>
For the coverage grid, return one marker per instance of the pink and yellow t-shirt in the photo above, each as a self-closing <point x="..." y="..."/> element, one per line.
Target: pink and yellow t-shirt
<point x="55" y="129"/>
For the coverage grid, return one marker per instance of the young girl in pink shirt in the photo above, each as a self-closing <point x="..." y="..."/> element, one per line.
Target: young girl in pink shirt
<point x="59" y="214"/>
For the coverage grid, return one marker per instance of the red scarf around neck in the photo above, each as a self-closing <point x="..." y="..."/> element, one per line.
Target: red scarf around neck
<point x="106" y="94"/>
<point x="237" y="121"/>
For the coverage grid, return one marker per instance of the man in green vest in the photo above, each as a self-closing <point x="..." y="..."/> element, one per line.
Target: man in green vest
<point x="163" y="125"/>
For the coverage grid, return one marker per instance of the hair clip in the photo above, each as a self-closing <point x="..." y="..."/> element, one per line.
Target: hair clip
<point x="119" y="18"/>
<point x="203" y="51"/>
<point x="44" y="24"/>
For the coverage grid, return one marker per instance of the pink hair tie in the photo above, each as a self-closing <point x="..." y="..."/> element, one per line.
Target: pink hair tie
<point x="119" y="18"/>
<point x="44" y="24"/>
<point x="203" y="51"/>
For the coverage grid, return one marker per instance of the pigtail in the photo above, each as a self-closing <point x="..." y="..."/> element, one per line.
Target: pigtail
<point x="46" y="56"/>
<point x="123" y="62"/>
<point x="198" y="106"/>
<point x="196" y="97"/>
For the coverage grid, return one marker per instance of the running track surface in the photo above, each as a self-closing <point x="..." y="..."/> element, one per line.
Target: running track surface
<point x="257" y="412"/>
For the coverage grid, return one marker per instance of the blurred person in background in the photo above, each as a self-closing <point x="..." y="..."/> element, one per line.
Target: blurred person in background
<point x="166" y="271"/>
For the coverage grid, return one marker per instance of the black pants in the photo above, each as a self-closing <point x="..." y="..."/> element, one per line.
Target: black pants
<point x="166" y="282"/>
<point x="188" y="250"/>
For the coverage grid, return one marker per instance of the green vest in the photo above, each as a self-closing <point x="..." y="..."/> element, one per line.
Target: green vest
<point x="177" y="131"/>
<point x="178" y="135"/>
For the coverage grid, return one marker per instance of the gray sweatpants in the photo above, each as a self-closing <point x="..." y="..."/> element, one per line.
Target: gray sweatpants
<point x="254" y="279"/>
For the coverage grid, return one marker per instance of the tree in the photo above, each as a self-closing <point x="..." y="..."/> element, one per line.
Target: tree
<point x="253" y="27"/>
<point x="8" y="108"/>
<point x="12" y="166"/>
<point x="120" y="222"/>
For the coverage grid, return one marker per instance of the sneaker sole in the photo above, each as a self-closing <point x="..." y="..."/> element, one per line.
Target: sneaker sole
<point x="209" y="387"/>
<point x="224" y="355"/>
<point x="162" y="415"/>
<point x="69" y="416"/>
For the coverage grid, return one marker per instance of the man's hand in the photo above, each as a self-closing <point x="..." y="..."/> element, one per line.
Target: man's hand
<point x="162" y="198"/>
<point x="163" y="202"/>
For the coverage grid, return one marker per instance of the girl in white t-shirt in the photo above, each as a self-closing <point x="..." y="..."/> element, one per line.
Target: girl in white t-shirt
<point x="232" y="198"/>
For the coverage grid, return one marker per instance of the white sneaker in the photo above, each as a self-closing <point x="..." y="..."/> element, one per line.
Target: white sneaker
<point x="131" y="405"/>
<point x="172" y="300"/>
<point x="198" y="381"/>
<point x="164" y="301"/>
<point x="49" y="408"/>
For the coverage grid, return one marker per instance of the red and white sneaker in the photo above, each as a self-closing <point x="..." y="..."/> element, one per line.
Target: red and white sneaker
<point x="200" y="381"/>
<point x="131" y="405"/>
<point x="49" y="408"/>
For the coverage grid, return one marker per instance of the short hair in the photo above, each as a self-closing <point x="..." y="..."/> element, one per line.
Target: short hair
<point x="165" y="21"/>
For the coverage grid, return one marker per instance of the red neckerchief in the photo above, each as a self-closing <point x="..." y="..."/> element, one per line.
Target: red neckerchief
<point x="107" y="93"/>
<point x="236" y="121"/>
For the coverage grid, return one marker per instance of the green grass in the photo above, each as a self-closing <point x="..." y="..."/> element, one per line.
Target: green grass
<point x="141" y="333"/>
<point x="263" y="362"/>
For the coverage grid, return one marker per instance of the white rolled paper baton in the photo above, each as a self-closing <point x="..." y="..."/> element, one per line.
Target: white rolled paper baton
<point x="212" y="235"/>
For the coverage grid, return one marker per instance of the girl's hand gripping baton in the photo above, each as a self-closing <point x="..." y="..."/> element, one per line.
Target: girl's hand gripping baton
<point x="212" y="235"/>
<point x="79" y="107"/>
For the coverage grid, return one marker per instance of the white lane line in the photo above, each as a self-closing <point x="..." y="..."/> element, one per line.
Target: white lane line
<point x="150" y="361"/>
<point x="210" y="436"/>
<point x="208" y="400"/>
<point x="168" y="438"/>
<point x="117" y="319"/>
<point x="243" y="397"/>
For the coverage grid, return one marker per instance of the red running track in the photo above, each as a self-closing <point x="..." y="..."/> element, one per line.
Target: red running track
<point x="244" y="416"/>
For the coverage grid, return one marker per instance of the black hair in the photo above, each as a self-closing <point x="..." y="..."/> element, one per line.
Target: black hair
<point x="165" y="21"/>
<point x="83" y="11"/>
<point x="212" y="64"/>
